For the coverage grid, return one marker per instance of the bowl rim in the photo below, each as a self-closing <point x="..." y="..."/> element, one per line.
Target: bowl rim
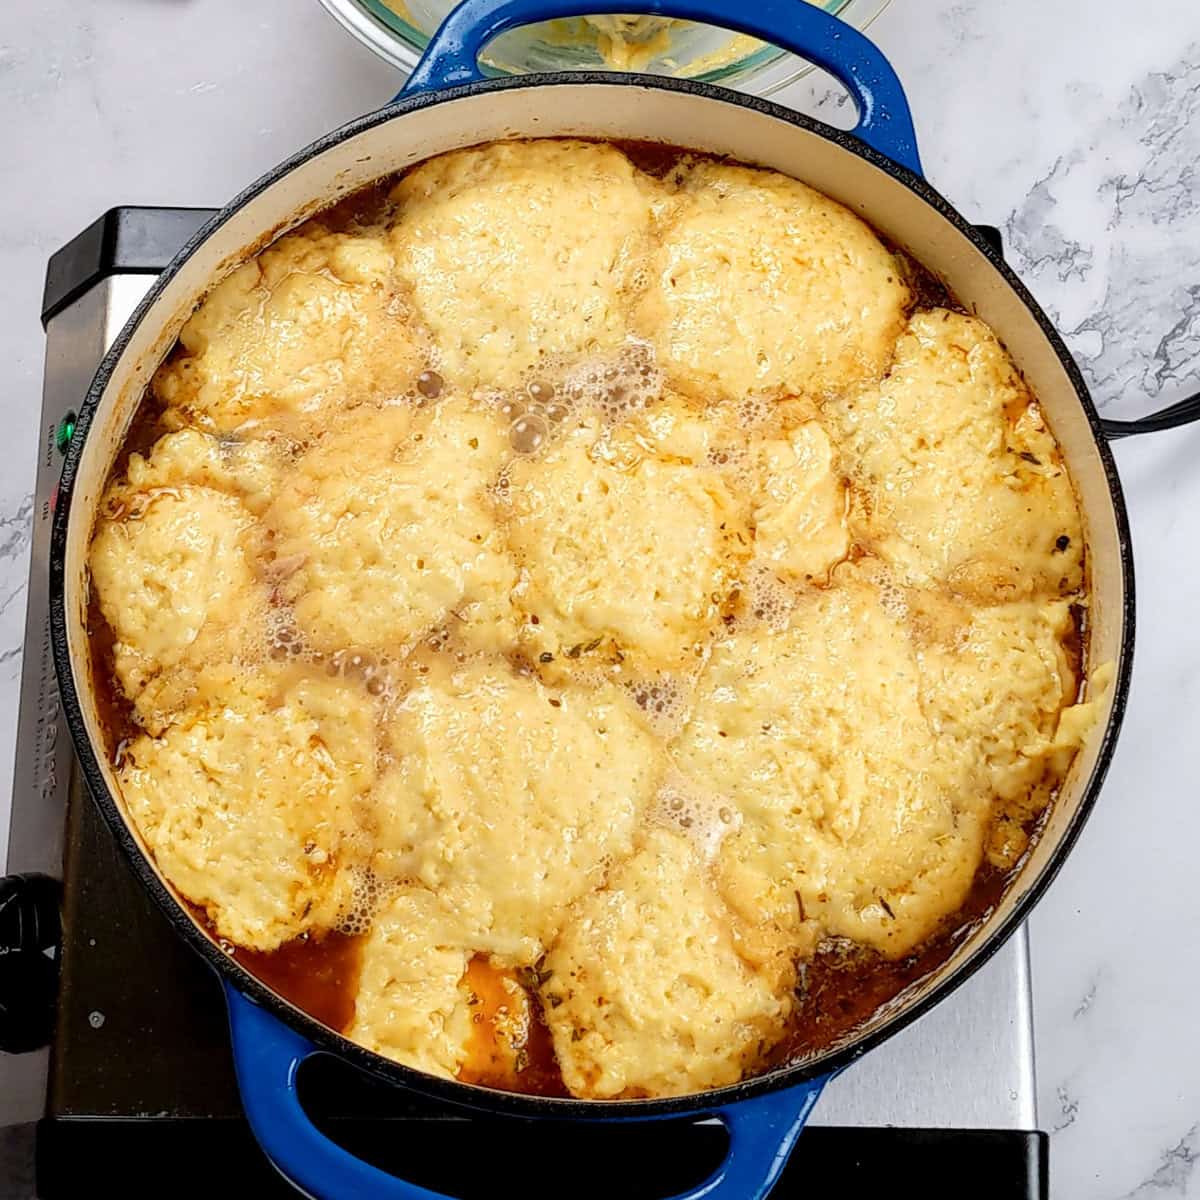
<point x="766" y="70"/>
<point x="473" y="1096"/>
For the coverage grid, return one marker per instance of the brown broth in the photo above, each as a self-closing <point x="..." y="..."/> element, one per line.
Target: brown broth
<point x="361" y="209"/>
<point x="928" y="291"/>
<point x="528" y="1064"/>
<point x="318" y="974"/>
<point x="657" y="159"/>
<point x="118" y="722"/>
<point x="842" y="987"/>
<point x="144" y="430"/>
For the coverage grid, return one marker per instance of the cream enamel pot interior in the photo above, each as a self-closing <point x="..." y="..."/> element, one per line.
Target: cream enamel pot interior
<point x="875" y="172"/>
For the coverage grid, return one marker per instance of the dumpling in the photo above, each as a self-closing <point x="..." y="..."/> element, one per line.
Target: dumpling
<point x="385" y="530"/>
<point x="963" y="483"/>
<point x="849" y="797"/>
<point x="516" y="251"/>
<point x="645" y="993"/>
<point x="627" y="544"/>
<point x="249" y="804"/>
<point x="173" y="568"/>
<point x="999" y="684"/>
<point x="249" y="468"/>
<point x="316" y="321"/>
<point x="412" y="1004"/>
<point x="799" y="510"/>
<point x="761" y="284"/>
<point x="514" y="796"/>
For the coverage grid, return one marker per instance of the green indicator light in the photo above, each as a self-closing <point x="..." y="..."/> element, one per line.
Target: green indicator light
<point x="65" y="432"/>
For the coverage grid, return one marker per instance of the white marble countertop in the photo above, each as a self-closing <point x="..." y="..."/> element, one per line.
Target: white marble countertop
<point x="1072" y="124"/>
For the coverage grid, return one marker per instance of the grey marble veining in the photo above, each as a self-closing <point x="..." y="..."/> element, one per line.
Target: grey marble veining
<point x="1072" y="125"/>
<point x="1131" y="307"/>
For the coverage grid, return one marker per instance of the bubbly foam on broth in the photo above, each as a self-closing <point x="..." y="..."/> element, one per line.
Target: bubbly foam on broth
<point x="702" y="818"/>
<point x="665" y="700"/>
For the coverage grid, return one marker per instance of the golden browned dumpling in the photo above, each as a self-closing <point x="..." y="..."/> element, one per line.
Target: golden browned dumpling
<point x="998" y="682"/>
<point x="478" y="801"/>
<point x="760" y="284"/>
<point x="647" y="995"/>
<point x="411" y="1004"/>
<point x="177" y="587"/>
<point x="313" y="322"/>
<point x="249" y="468"/>
<point x="387" y="531"/>
<point x="622" y="545"/>
<point x="248" y="805"/>
<point x="517" y="251"/>
<point x="964" y="484"/>
<point x="173" y="565"/>
<point x="1000" y="688"/>
<point x="849" y="796"/>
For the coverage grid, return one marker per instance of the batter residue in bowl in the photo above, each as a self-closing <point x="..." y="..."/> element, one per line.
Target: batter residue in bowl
<point x="588" y="620"/>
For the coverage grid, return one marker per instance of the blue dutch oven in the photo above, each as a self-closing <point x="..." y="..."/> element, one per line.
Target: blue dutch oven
<point x="448" y="103"/>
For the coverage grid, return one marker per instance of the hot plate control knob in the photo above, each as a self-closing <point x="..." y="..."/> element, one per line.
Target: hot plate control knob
<point x="30" y="939"/>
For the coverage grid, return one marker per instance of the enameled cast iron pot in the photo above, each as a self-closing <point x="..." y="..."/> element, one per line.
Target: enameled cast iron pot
<point x="874" y="171"/>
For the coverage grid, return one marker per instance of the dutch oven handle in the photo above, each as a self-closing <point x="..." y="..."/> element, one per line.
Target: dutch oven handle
<point x="1183" y="413"/>
<point x="267" y="1055"/>
<point x="804" y="29"/>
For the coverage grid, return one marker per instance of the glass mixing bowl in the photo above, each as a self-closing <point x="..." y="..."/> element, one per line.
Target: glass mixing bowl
<point x="398" y="31"/>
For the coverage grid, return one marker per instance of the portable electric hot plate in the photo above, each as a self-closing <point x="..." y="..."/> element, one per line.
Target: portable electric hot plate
<point x="117" y="1033"/>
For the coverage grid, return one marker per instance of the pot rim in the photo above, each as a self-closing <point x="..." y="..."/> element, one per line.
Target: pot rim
<point x="474" y="1096"/>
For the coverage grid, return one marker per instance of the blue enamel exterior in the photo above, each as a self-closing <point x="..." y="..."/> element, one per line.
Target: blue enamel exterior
<point x="267" y="1055"/>
<point x="884" y="120"/>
